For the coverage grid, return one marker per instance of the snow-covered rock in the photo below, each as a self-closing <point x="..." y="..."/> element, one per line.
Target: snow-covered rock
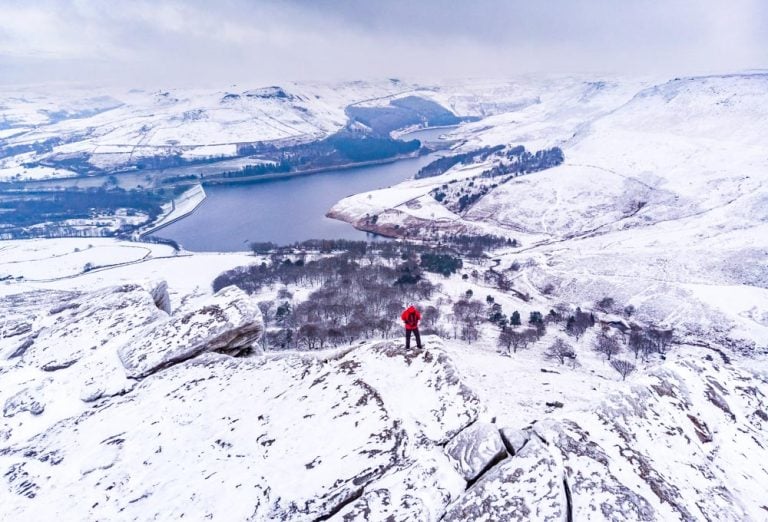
<point x="528" y="486"/>
<point x="76" y="326"/>
<point x="229" y="322"/>
<point x="25" y="400"/>
<point x="514" y="439"/>
<point x="200" y="434"/>
<point x="418" y="492"/>
<point x="475" y="449"/>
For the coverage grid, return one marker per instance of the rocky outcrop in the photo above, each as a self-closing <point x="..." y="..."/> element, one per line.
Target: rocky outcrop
<point x="419" y="491"/>
<point x="594" y="491"/>
<point x="87" y="323"/>
<point x="25" y="400"/>
<point x="229" y="323"/>
<point x="159" y="293"/>
<point x="286" y="436"/>
<point x="364" y="432"/>
<point x="528" y="486"/>
<point x="475" y="449"/>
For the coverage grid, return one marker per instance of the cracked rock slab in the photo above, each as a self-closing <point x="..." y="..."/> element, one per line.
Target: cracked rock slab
<point x="515" y="439"/>
<point x="526" y="487"/>
<point x="418" y="492"/>
<point x="475" y="449"/>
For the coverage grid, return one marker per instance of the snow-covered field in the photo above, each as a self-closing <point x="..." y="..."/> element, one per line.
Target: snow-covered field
<point x="58" y="264"/>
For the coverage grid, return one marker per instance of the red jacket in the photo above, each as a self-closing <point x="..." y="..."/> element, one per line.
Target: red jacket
<point x="411" y="317"/>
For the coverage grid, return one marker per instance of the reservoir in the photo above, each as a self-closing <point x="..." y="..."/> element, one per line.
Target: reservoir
<point x="284" y="210"/>
<point x="290" y="209"/>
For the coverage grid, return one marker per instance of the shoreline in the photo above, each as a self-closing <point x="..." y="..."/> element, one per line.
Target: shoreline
<point x="199" y="193"/>
<point x="307" y="172"/>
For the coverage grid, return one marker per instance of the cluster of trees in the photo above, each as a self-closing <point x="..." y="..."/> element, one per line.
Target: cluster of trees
<point x="259" y="170"/>
<point x="447" y="248"/>
<point x="579" y="322"/>
<point x="608" y="342"/>
<point x="369" y="148"/>
<point x="644" y="343"/>
<point x="441" y="165"/>
<point x="444" y="264"/>
<point x="38" y="147"/>
<point x="475" y="246"/>
<point x="350" y="300"/>
<point x="520" y="161"/>
<point x="524" y="162"/>
<point x="513" y="336"/>
<point x="402" y="113"/>
<point x="25" y="209"/>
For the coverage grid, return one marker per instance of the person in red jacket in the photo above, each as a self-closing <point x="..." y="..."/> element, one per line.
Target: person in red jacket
<point x="411" y="318"/>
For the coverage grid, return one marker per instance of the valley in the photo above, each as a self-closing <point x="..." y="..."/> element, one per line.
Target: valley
<point x="589" y="255"/>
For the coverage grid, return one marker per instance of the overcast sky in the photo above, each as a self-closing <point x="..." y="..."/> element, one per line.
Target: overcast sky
<point x="203" y="43"/>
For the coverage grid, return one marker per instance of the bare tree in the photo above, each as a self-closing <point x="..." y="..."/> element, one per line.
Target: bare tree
<point x="266" y="310"/>
<point x="606" y="345"/>
<point x="469" y="333"/>
<point x="623" y="367"/>
<point x="560" y="351"/>
<point x="431" y="316"/>
<point x="309" y="335"/>
<point x="509" y="338"/>
<point x="385" y="326"/>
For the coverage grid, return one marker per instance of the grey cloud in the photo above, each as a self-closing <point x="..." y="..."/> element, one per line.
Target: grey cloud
<point x="203" y="43"/>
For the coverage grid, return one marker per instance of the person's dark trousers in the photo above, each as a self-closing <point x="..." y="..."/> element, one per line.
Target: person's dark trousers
<point x="408" y="339"/>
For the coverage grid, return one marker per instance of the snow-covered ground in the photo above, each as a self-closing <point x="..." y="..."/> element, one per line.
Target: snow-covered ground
<point x="144" y="412"/>
<point x="125" y="396"/>
<point x="59" y="264"/>
<point x="112" y="129"/>
<point x="661" y="201"/>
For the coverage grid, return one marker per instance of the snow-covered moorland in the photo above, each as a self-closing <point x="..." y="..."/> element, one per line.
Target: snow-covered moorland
<point x="661" y="200"/>
<point x="155" y="408"/>
<point x="130" y="390"/>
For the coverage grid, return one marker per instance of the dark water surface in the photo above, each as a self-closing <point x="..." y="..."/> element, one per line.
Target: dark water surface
<point x="282" y="210"/>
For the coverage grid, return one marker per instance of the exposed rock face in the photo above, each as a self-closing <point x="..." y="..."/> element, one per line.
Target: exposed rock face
<point x="528" y="486"/>
<point x="369" y="432"/>
<point x="159" y="292"/>
<point x="278" y="437"/>
<point x="475" y="449"/>
<point x="25" y="400"/>
<point x="514" y="439"/>
<point x="229" y="322"/>
<point x="595" y="493"/>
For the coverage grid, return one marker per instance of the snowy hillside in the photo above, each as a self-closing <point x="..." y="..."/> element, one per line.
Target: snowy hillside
<point x="155" y="408"/>
<point x="661" y="200"/>
<point x="41" y="132"/>
<point x="610" y="364"/>
<point x="115" y="129"/>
